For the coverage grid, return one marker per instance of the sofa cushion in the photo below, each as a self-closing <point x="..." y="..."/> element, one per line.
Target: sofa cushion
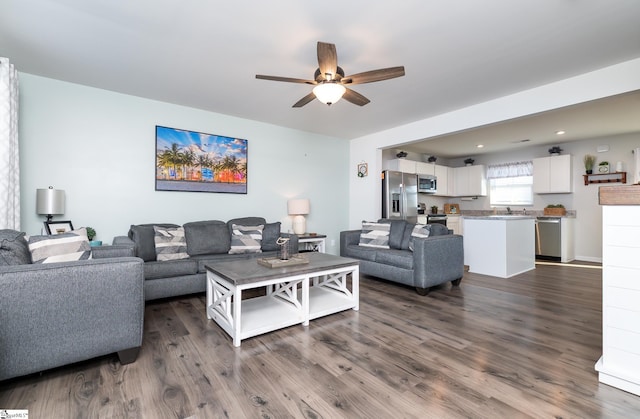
<point x="246" y="239"/>
<point x="169" y="269"/>
<point x="143" y="236"/>
<point x="438" y="230"/>
<point x="207" y="237"/>
<point x="375" y="235"/>
<point x="398" y="258"/>
<point x="270" y="234"/>
<point x="14" y="249"/>
<point x="64" y="247"/>
<point x="170" y="243"/>
<point x="360" y="252"/>
<point x="419" y="231"/>
<point x="396" y="233"/>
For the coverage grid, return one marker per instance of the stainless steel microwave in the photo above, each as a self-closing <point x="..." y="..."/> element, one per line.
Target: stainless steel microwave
<point x="427" y="184"/>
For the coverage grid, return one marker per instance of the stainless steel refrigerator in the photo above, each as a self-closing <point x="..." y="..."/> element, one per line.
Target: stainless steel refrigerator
<point x="400" y="196"/>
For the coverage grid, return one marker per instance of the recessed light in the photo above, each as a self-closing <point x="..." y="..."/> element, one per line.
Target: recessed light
<point x="480" y="145"/>
<point x="560" y="132"/>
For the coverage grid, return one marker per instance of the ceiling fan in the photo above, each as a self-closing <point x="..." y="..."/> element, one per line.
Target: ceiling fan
<point x="330" y="81"/>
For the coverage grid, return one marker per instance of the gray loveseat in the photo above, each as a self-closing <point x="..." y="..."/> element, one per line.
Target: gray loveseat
<point x="434" y="260"/>
<point x="206" y="241"/>
<point x="56" y="314"/>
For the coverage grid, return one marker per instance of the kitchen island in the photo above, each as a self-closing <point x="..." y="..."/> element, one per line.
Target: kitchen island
<point x="499" y="245"/>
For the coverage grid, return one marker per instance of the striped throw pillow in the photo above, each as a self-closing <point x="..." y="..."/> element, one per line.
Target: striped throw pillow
<point x="171" y="243"/>
<point x="64" y="247"/>
<point x="246" y="239"/>
<point x="419" y="231"/>
<point x="375" y="235"/>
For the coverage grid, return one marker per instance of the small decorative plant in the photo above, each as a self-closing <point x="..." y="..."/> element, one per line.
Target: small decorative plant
<point x="432" y="159"/>
<point x="603" y="163"/>
<point x="469" y="161"/>
<point x="555" y="150"/>
<point x="401" y="155"/>
<point x="91" y="233"/>
<point x="555" y="206"/>
<point x="589" y="161"/>
<point x="434" y="209"/>
<point x="555" y="210"/>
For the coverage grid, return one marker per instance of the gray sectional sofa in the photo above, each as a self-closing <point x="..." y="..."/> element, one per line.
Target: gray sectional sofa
<point x="205" y="241"/>
<point x="55" y="314"/>
<point x="434" y="260"/>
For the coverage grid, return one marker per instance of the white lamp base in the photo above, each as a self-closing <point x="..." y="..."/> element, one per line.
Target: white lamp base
<point x="299" y="224"/>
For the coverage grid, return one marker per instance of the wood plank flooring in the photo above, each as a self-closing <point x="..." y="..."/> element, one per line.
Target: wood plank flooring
<point x="492" y="348"/>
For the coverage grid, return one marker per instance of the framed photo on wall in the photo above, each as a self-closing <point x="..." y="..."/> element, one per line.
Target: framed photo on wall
<point x="191" y="161"/>
<point x="57" y="227"/>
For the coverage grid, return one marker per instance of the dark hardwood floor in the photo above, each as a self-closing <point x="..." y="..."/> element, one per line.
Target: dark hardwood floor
<point x="492" y="348"/>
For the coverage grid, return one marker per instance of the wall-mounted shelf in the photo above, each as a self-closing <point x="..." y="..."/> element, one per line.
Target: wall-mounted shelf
<point x="614" y="177"/>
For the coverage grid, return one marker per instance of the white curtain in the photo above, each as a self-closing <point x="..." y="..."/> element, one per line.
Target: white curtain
<point x="516" y="169"/>
<point x="9" y="158"/>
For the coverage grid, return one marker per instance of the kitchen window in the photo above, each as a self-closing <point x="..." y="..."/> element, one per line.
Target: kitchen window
<point x="511" y="184"/>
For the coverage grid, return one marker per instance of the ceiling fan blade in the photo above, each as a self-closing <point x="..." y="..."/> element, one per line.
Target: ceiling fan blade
<point x="327" y="60"/>
<point x="374" y="75"/>
<point x="308" y="98"/>
<point x="355" y="98"/>
<point x="285" y="79"/>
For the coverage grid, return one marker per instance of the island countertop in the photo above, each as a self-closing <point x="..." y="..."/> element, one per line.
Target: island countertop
<point x="499" y="217"/>
<point x="619" y="195"/>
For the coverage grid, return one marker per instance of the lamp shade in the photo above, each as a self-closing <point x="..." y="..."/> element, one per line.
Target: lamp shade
<point x="50" y="201"/>
<point x="329" y="92"/>
<point x="298" y="206"/>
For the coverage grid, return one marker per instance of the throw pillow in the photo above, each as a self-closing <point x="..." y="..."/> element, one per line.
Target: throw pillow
<point x="375" y="235"/>
<point x="14" y="249"/>
<point x="246" y="239"/>
<point x="64" y="247"/>
<point x="171" y="243"/>
<point x="419" y="231"/>
<point x="207" y="237"/>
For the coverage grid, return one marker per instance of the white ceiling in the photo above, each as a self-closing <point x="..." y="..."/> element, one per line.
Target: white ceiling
<point x="205" y="54"/>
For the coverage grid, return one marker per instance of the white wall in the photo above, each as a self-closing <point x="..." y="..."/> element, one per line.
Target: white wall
<point x="99" y="146"/>
<point x="365" y="192"/>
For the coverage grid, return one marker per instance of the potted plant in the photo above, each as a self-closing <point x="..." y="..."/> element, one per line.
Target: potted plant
<point x="432" y="159"/>
<point x="589" y="161"/>
<point x="401" y="155"/>
<point x="469" y="161"/>
<point x="555" y="150"/>
<point x="555" y="210"/>
<point x="91" y="234"/>
<point x="603" y="167"/>
<point x="434" y="209"/>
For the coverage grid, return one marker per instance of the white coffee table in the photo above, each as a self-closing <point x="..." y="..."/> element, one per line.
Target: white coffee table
<point x="295" y="294"/>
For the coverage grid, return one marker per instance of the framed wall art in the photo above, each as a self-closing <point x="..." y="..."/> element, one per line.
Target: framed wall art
<point x="191" y="161"/>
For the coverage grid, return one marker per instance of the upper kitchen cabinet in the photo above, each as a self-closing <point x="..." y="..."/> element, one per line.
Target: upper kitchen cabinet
<point x="552" y="174"/>
<point x="401" y="165"/>
<point x="444" y="177"/>
<point x="423" y="168"/>
<point x="469" y="181"/>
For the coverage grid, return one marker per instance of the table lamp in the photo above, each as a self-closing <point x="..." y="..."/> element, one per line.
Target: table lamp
<point x="49" y="202"/>
<point x="298" y="208"/>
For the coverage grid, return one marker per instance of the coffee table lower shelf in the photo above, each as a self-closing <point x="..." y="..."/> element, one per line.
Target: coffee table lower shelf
<point x="290" y="298"/>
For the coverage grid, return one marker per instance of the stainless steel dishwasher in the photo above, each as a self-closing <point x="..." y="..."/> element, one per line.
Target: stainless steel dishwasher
<point x="548" y="238"/>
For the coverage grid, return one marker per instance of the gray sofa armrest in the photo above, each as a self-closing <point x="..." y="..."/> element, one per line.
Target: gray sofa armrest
<point x="61" y="313"/>
<point x="123" y="241"/>
<point x="117" y="251"/>
<point x="347" y="238"/>
<point x="437" y="259"/>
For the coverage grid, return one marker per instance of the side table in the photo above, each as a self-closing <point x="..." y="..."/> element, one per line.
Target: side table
<point x="311" y="243"/>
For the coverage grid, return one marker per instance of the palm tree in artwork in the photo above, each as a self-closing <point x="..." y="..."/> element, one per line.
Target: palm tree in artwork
<point x="204" y="162"/>
<point x="188" y="160"/>
<point x="230" y="165"/>
<point x="171" y="158"/>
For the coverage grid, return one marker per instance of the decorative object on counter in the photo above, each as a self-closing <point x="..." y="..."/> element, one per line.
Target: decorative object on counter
<point x="589" y="161"/>
<point x="298" y="208"/>
<point x="401" y="155"/>
<point x="556" y="210"/>
<point x="555" y="150"/>
<point x="469" y="161"/>
<point x="363" y="169"/>
<point x="434" y="209"/>
<point x="619" y="167"/>
<point x="91" y="234"/>
<point x="432" y="159"/>
<point x="451" y="209"/>
<point x="603" y="167"/>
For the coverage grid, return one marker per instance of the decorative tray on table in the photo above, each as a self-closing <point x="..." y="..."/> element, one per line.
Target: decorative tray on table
<point x="279" y="263"/>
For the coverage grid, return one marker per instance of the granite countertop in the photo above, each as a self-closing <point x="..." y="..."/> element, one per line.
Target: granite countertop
<point x="499" y="217"/>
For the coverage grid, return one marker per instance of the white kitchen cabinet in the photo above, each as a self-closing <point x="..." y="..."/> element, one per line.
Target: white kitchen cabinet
<point x="469" y="181"/>
<point x="552" y="174"/>
<point x="454" y="223"/>
<point x="401" y="165"/>
<point x="423" y="168"/>
<point x="444" y="179"/>
<point x="619" y="365"/>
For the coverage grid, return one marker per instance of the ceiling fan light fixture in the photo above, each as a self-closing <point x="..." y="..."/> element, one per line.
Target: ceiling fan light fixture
<point x="329" y="92"/>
